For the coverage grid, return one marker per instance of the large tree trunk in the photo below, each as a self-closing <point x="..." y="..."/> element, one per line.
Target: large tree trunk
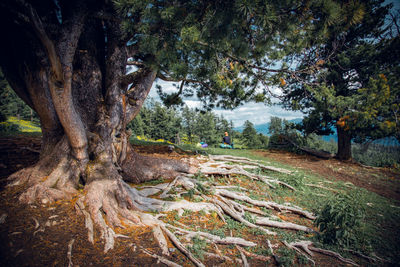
<point x="74" y="76"/>
<point x="344" y="144"/>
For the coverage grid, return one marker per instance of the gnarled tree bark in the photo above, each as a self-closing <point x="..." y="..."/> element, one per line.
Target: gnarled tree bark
<point x="70" y="67"/>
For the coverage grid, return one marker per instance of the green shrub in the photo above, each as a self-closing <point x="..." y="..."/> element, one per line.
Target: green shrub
<point x="340" y="221"/>
<point x="8" y="128"/>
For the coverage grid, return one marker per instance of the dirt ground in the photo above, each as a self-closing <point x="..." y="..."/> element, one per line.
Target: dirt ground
<point x="39" y="234"/>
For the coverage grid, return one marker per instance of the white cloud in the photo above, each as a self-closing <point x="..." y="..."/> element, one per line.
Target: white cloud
<point x="257" y="113"/>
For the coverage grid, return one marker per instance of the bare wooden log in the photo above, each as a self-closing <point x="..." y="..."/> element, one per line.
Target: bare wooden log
<point x="88" y="220"/>
<point x="333" y="254"/>
<point x="243" y="207"/>
<point x="370" y="258"/>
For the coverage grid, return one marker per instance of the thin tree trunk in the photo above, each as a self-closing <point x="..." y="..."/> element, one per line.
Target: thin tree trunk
<point x="344" y="144"/>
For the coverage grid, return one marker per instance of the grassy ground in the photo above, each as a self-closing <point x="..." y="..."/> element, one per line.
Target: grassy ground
<point x="377" y="233"/>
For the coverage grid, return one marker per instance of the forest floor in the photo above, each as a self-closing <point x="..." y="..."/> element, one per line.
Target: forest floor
<point x="39" y="235"/>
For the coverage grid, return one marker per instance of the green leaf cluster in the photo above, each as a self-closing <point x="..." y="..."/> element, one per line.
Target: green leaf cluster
<point x="340" y="220"/>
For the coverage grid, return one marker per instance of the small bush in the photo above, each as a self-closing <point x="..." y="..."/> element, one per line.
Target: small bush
<point x="8" y="127"/>
<point x="340" y="221"/>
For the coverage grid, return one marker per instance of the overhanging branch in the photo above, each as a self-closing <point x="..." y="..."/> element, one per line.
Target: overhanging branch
<point x="38" y="27"/>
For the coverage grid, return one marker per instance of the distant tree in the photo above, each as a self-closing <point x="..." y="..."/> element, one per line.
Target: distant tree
<point x="275" y="126"/>
<point x="263" y="140"/>
<point x="249" y="135"/>
<point x="137" y="125"/>
<point x="206" y="128"/>
<point x="189" y="122"/>
<point x="12" y="105"/>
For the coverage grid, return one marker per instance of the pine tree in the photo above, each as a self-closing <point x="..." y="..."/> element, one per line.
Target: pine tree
<point x="67" y="59"/>
<point x="348" y="89"/>
<point x="249" y="136"/>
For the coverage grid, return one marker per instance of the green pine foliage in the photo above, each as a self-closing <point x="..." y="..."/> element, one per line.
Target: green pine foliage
<point x="353" y="84"/>
<point x="12" y="105"/>
<point x="157" y="121"/>
<point x="250" y="137"/>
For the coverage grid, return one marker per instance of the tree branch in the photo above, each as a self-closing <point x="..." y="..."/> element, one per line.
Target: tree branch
<point x="138" y="92"/>
<point x="38" y="27"/>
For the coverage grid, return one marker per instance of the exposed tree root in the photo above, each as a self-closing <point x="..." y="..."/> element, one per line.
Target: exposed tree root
<point x="244" y="259"/>
<point x="69" y="253"/>
<point x="110" y="202"/>
<point x="250" y="162"/>
<point x="253" y="255"/>
<point x="322" y="187"/>
<point x="215" y="239"/>
<point x="266" y="204"/>
<point x="224" y="169"/>
<point x="308" y="248"/>
<point x="3" y="218"/>
<point x="161" y="259"/>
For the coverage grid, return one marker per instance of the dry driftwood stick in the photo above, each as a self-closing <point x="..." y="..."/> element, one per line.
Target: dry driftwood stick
<point x="333" y="254"/>
<point x="220" y="257"/>
<point x="162" y="242"/>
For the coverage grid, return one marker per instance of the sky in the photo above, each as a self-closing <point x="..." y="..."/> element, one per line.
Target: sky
<point x="256" y="113"/>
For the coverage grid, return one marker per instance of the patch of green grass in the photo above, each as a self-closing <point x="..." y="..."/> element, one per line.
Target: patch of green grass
<point x="198" y="247"/>
<point x="13" y="126"/>
<point x="286" y="256"/>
